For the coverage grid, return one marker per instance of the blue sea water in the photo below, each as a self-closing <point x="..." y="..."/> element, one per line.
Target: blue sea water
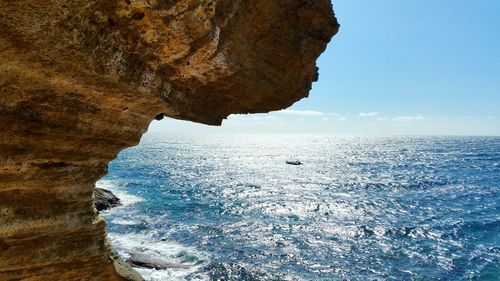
<point x="359" y="208"/>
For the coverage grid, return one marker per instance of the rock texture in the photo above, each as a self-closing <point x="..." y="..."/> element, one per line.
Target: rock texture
<point x="149" y="261"/>
<point x="81" y="80"/>
<point x="105" y="199"/>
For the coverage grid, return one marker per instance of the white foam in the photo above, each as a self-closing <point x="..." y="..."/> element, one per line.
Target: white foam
<point x="126" y="198"/>
<point x="168" y="250"/>
<point x="146" y="242"/>
<point x="121" y="221"/>
<point x="163" y="275"/>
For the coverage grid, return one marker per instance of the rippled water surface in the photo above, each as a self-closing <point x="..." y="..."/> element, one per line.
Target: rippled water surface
<point x="229" y="208"/>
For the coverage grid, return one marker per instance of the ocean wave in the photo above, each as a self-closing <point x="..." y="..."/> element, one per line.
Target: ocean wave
<point x="188" y="259"/>
<point x="126" y="198"/>
<point x="121" y="221"/>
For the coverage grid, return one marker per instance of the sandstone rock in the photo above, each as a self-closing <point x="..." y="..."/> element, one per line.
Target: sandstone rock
<point x="81" y="80"/>
<point x="123" y="269"/>
<point x="105" y="199"/>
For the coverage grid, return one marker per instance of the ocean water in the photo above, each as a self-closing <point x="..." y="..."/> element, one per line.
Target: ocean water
<point x="228" y="207"/>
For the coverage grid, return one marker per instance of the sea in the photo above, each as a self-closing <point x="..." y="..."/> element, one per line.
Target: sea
<point x="229" y="207"/>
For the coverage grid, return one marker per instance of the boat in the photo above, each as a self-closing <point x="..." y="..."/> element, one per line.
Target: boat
<point x="294" y="162"/>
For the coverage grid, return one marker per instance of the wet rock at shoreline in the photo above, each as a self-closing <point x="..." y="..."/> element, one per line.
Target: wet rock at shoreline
<point x="124" y="269"/>
<point x="105" y="199"/>
<point x="150" y="261"/>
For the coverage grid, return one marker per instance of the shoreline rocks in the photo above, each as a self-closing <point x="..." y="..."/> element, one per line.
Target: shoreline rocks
<point x="139" y="259"/>
<point x="124" y="269"/>
<point x="105" y="199"/>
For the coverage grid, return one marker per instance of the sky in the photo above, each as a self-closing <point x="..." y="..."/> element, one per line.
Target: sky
<point x="413" y="67"/>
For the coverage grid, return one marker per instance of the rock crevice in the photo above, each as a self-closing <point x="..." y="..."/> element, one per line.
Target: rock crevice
<point x="81" y="80"/>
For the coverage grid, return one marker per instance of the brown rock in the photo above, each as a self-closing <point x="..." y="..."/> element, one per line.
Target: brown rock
<point x="123" y="269"/>
<point x="81" y="80"/>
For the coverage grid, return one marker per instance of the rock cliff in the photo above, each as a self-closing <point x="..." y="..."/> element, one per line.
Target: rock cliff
<point x="81" y="80"/>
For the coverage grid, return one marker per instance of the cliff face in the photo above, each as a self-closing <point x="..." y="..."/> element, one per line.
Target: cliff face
<point x="81" y="80"/>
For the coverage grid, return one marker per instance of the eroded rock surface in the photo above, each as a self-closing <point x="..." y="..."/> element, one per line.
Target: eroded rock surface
<point x="81" y="80"/>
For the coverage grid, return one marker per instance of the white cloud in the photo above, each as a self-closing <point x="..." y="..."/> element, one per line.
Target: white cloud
<point x="382" y="118"/>
<point x="254" y="117"/>
<point x="408" y="118"/>
<point x="301" y="112"/>
<point x="341" y="118"/>
<point x="368" y="114"/>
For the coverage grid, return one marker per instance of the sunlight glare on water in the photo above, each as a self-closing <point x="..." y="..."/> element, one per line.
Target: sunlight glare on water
<point x="385" y="208"/>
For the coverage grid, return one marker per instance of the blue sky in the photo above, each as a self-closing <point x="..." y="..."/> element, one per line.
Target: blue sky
<point x="396" y="67"/>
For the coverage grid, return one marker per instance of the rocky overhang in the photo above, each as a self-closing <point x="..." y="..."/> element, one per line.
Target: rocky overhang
<point x="82" y="80"/>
